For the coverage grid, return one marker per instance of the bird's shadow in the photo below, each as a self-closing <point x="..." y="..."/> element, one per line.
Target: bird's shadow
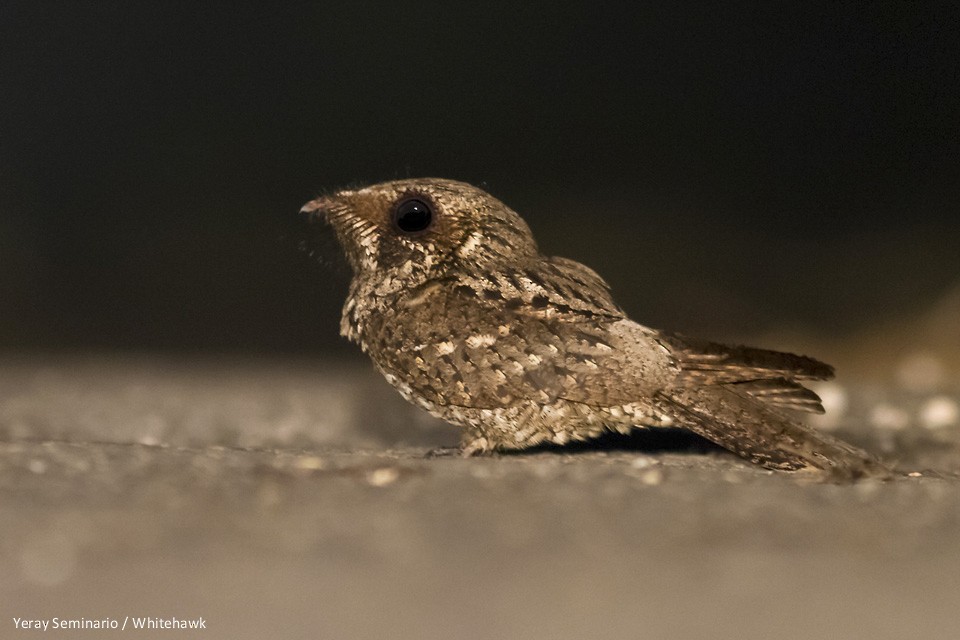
<point x="653" y="440"/>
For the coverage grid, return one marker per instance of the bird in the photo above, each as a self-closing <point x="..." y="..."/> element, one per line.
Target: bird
<point x="459" y="310"/>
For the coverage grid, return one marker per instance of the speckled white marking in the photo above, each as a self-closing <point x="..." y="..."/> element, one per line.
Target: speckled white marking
<point x="554" y="411"/>
<point x="443" y="348"/>
<point x="531" y="287"/>
<point x="480" y="340"/>
<point x="470" y="244"/>
<point x="421" y="296"/>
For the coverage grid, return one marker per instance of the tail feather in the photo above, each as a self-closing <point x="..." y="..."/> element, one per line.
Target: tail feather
<point x="783" y="394"/>
<point x="750" y="428"/>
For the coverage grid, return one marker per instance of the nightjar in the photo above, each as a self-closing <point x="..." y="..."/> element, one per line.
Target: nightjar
<point x="459" y="311"/>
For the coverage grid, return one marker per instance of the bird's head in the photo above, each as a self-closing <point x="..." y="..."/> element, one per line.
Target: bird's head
<point x="413" y="230"/>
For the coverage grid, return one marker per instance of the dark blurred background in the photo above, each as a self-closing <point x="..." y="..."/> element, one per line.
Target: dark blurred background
<point x="731" y="170"/>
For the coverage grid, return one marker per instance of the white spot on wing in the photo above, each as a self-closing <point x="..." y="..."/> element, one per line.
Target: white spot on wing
<point x="480" y="340"/>
<point x="443" y="348"/>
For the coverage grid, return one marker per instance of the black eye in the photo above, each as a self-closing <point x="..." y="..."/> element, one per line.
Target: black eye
<point x="412" y="215"/>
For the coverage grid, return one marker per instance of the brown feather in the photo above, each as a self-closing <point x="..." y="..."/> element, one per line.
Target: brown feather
<point x="719" y="363"/>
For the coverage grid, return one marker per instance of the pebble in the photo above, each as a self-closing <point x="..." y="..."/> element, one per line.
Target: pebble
<point x="383" y="476"/>
<point x="652" y="477"/>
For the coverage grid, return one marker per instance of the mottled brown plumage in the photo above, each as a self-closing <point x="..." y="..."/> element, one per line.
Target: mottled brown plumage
<point x="461" y="313"/>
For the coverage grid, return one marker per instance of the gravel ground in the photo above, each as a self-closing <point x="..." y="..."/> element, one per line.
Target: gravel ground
<point x="294" y="499"/>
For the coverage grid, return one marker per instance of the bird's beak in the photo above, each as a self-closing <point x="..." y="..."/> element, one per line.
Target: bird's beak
<point x="316" y="209"/>
<point x="350" y="227"/>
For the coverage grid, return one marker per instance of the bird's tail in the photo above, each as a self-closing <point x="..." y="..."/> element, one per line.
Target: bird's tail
<point x="750" y="428"/>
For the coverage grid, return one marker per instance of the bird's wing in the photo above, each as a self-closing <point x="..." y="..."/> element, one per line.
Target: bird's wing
<point x="550" y="329"/>
<point x="718" y="363"/>
<point x="573" y="298"/>
<point x="535" y="332"/>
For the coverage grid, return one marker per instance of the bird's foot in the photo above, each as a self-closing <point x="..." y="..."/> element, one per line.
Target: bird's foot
<point x="470" y="446"/>
<point x="476" y="447"/>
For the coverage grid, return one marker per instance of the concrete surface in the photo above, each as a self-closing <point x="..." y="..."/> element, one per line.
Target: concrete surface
<point x="293" y="499"/>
